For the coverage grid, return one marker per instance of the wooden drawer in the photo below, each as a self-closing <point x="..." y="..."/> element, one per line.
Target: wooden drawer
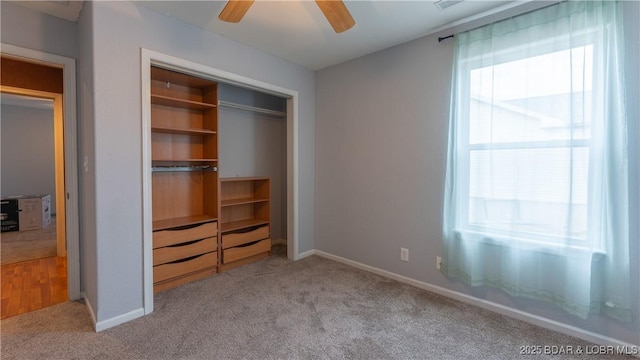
<point x="185" y="250"/>
<point x="178" y="236"/>
<point x="178" y="268"/>
<point x="241" y="252"/>
<point x="235" y="239"/>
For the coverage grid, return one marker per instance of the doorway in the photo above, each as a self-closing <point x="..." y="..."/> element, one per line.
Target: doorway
<point x="32" y="185"/>
<point x="33" y="213"/>
<point x="20" y="80"/>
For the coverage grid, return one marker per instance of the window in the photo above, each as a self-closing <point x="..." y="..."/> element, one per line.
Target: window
<point x="528" y="145"/>
<point x="536" y="190"/>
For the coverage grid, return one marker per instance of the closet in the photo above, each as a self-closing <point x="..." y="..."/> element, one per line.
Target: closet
<point x="206" y="220"/>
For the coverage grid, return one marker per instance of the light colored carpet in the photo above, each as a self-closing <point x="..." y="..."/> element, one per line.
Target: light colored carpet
<point x="278" y="309"/>
<point x="18" y="246"/>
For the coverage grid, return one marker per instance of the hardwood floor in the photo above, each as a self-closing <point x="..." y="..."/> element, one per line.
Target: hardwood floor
<point x="33" y="285"/>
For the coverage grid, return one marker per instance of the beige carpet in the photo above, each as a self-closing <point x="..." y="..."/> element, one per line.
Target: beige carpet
<point x="278" y="309"/>
<point x="18" y="246"/>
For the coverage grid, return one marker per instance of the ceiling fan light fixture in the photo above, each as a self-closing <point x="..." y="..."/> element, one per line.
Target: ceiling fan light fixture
<point x="235" y="10"/>
<point x="337" y="14"/>
<point x="334" y="10"/>
<point x="443" y="4"/>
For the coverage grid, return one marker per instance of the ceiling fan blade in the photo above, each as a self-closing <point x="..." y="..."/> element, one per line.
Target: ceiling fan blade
<point x="337" y="13"/>
<point x="234" y="10"/>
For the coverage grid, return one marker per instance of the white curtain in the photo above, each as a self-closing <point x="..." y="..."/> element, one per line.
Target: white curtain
<point x="536" y="192"/>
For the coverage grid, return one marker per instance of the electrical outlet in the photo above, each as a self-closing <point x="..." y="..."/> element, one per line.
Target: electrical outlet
<point x="404" y="254"/>
<point x="438" y="262"/>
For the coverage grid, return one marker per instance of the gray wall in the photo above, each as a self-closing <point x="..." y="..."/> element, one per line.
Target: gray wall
<point x="28" y="158"/>
<point x="86" y="151"/>
<point x="255" y="144"/>
<point x="381" y="138"/>
<point x="29" y="29"/>
<point x="119" y="30"/>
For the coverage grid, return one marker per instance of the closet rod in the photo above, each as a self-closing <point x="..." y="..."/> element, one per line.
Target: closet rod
<point x="251" y="108"/>
<point x="183" y="168"/>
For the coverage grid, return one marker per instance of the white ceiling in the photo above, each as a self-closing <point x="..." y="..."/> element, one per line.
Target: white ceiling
<point x="298" y="31"/>
<point x="65" y="9"/>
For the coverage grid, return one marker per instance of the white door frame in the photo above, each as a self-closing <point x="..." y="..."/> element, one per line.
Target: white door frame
<point x="68" y="66"/>
<point x="149" y="57"/>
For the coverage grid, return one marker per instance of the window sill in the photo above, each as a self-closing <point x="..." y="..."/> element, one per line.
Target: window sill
<point x="545" y="247"/>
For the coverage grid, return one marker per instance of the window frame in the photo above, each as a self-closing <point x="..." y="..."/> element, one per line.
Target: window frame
<point x="495" y="235"/>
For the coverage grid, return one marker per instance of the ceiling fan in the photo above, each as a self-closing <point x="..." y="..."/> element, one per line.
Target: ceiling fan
<point x="334" y="10"/>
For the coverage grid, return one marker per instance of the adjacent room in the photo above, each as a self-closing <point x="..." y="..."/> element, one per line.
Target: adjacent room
<point x="33" y="220"/>
<point x="322" y="179"/>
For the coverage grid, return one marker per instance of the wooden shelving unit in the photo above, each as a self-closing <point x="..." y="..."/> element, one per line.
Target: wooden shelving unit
<point x="201" y="224"/>
<point x="184" y="156"/>
<point x="245" y="220"/>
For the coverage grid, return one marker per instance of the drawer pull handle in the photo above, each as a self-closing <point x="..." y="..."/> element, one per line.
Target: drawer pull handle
<point x="184" y="243"/>
<point x="249" y="244"/>
<point x="186" y="259"/>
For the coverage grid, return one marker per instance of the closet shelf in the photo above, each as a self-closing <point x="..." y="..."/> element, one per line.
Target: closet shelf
<point x="171" y="130"/>
<point x="180" y="103"/>
<point x="242" y="224"/>
<point x="173" y="162"/>
<point x="232" y="202"/>
<point x="242" y="179"/>
<point x="251" y="108"/>
<point x="174" y="168"/>
<point x="182" y="221"/>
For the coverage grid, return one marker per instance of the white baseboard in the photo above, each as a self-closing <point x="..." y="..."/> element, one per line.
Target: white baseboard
<point x="114" y="321"/>
<point x="89" y="308"/>
<point x="306" y="254"/>
<point x="501" y="309"/>
<point x="120" y="319"/>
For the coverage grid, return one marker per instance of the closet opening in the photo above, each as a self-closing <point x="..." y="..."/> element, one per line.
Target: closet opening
<point x="203" y="123"/>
